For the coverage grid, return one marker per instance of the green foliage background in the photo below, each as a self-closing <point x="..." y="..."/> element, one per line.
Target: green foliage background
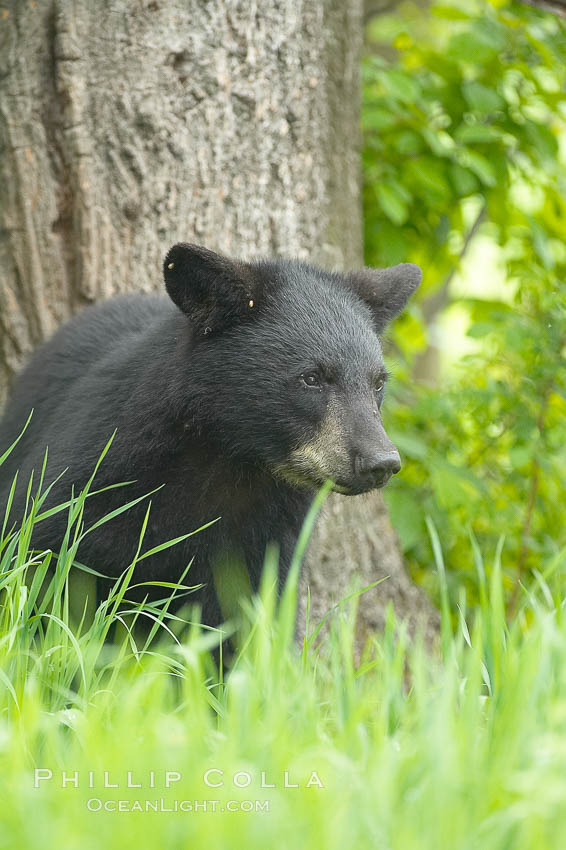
<point x="464" y="117"/>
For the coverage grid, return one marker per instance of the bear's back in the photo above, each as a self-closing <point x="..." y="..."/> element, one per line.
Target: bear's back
<point x="71" y="354"/>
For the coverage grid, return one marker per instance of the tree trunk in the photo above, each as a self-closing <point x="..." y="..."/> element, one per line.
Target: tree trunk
<point x="557" y="7"/>
<point x="128" y="125"/>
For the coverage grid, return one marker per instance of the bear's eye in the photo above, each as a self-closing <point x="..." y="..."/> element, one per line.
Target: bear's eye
<point x="378" y="389"/>
<point x="311" y="379"/>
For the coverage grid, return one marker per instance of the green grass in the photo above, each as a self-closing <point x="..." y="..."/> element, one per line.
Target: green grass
<point x="461" y="747"/>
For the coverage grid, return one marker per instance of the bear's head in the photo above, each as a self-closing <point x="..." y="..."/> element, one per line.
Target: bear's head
<point x="285" y="367"/>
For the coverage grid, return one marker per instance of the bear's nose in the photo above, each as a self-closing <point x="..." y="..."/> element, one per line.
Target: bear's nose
<point x="378" y="465"/>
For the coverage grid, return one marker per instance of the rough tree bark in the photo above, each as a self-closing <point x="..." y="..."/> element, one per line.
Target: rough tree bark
<point x="557" y="7"/>
<point x="127" y="125"/>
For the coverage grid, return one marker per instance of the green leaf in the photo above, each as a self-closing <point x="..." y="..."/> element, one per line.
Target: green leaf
<point x="407" y="143"/>
<point x="452" y="486"/>
<point x="391" y="243"/>
<point x="480" y="329"/>
<point x="464" y="182"/>
<point x="520" y="456"/>
<point x="481" y="98"/>
<point x="401" y="85"/>
<point x="481" y="167"/>
<point x="542" y="245"/>
<point x="479" y="44"/>
<point x="375" y="118"/>
<point x="478" y="134"/>
<point x="450" y="13"/>
<point x="430" y="176"/>
<point x="410" y="445"/>
<point x="392" y="203"/>
<point x="543" y="139"/>
<point x="406" y="516"/>
<point x="440" y="142"/>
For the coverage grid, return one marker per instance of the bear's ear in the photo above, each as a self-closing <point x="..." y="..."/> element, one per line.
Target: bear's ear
<point x="215" y="291"/>
<point x="385" y="291"/>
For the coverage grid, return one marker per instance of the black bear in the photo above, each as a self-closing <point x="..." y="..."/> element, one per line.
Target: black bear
<point x="241" y="393"/>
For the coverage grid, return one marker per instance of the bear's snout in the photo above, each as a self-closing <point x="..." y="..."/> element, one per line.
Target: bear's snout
<point x="377" y="468"/>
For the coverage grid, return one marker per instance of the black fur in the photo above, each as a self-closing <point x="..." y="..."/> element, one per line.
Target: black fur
<point x="209" y="400"/>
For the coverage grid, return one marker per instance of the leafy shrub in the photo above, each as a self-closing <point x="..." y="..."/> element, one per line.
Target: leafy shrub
<point x="462" y="134"/>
